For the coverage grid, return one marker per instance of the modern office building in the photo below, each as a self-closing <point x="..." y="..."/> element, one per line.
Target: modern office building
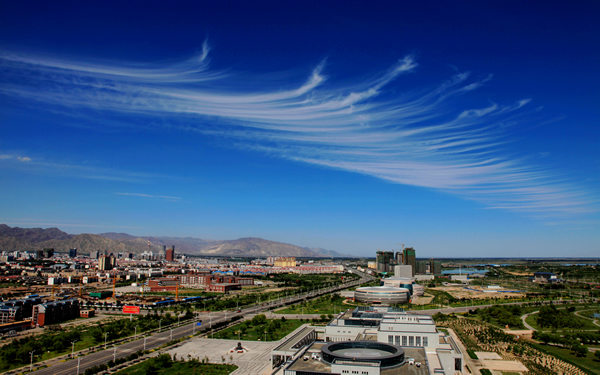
<point x="409" y="257"/>
<point x="435" y="267"/>
<point x="94" y="254"/>
<point x="406" y="283"/>
<point x="373" y="341"/>
<point x="383" y="295"/>
<point x="72" y="253"/>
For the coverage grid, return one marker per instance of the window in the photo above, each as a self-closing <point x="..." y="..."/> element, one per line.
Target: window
<point x="411" y="341"/>
<point x="390" y="339"/>
<point x="398" y="340"/>
<point x="418" y="340"/>
<point x="425" y="341"/>
<point x="404" y="343"/>
<point x="457" y="364"/>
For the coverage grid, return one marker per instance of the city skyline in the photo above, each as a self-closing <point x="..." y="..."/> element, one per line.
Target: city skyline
<point x="468" y="129"/>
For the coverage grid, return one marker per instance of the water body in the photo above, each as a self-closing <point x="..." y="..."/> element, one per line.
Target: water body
<point x="464" y="271"/>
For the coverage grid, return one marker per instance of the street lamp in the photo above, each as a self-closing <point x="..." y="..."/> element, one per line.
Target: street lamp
<point x="73" y="348"/>
<point x="159" y="320"/>
<point x="31" y="363"/>
<point x="171" y="334"/>
<point x="105" y="334"/>
<point x="115" y="353"/>
<point x="145" y="343"/>
<point x="78" y="362"/>
<point x="135" y="333"/>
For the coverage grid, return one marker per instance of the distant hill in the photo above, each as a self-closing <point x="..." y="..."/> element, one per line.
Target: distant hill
<point x="37" y="238"/>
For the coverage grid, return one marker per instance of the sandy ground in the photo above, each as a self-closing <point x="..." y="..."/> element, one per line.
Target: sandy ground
<point x="488" y="355"/>
<point x="504" y="365"/>
<point x="423" y="300"/>
<point x="460" y="292"/>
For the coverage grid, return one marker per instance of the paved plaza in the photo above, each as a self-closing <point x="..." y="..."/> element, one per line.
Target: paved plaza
<point x="257" y="360"/>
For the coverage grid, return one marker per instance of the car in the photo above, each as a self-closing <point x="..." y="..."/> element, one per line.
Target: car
<point x="411" y="361"/>
<point x="418" y="364"/>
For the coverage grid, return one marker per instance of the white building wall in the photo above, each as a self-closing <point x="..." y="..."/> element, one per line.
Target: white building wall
<point x="403" y="271"/>
<point x="346" y="368"/>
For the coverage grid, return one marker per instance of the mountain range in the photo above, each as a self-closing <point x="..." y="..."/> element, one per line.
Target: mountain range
<point x="21" y="239"/>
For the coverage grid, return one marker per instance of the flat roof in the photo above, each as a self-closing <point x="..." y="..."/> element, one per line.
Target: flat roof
<point x="313" y="365"/>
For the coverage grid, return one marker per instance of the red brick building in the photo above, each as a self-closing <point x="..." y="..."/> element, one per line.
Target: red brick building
<point x="55" y="312"/>
<point x="223" y="288"/>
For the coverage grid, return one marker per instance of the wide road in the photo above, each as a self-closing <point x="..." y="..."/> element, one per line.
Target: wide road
<point x="158" y="339"/>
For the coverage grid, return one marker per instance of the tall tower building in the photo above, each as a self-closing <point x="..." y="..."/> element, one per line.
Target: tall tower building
<point x="106" y="263"/>
<point x="385" y="260"/>
<point x="410" y="258"/>
<point x="170" y="254"/>
<point x="399" y="260"/>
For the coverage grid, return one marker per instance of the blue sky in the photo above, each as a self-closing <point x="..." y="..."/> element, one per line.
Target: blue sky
<point x="463" y="130"/>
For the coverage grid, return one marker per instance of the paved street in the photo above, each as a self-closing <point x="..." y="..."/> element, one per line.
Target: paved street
<point x="157" y="339"/>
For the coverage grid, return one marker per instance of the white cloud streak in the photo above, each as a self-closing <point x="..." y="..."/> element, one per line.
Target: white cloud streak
<point x="420" y="138"/>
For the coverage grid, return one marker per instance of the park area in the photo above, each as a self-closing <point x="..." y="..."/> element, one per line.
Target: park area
<point x="165" y="365"/>
<point x="259" y="328"/>
<point x="328" y="304"/>
<point x="47" y="345"/>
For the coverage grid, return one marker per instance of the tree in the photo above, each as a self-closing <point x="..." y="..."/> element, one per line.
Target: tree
<point x="581" y="350"/>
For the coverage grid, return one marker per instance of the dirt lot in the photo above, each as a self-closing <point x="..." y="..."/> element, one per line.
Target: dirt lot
<point x="460" y="292"/>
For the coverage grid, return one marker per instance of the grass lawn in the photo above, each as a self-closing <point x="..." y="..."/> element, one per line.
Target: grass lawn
<point x="187" y="368"/>
<point x="256" y="332"/>
<point x="588" y="325"/>
<point x="323" y="305"/>
<point x="587" y="362"/>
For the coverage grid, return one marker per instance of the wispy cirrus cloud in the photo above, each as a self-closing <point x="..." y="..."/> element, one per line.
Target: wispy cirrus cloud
<point x="149" y="196"/>
<point x="42" y="166"/>
<point x="421" y="137"/>
<point x="15" y="157"/>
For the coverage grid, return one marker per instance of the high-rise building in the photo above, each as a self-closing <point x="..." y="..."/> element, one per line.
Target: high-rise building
<point x="435" y="267"/>
<point x="399" y="258"/>
<point x="385" y="260"/>
<point x="72" y="253"/>
<point x="94" y="254"/>
<point x="403" y="271"/>
<point x="170" y="254"/>
<point x="106" y="263"/>
<point x="410" y="258"/>
<point x="49" y="252"/>
<point x="421" y="267"/>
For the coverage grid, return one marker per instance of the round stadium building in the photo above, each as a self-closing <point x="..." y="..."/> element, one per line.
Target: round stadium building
<point x="385" y="355"/>
<point x="385" y="295"/>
